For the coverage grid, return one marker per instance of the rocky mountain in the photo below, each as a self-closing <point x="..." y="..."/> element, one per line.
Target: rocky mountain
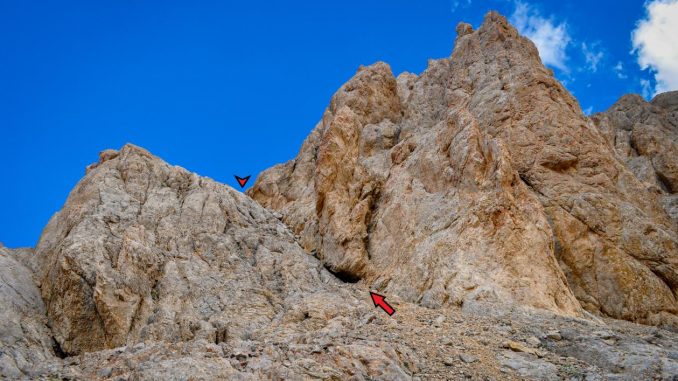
<point x="515" y="237"/>
<point x="481" y="178"/>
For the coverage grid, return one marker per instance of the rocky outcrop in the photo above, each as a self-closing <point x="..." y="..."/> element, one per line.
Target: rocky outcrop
<point x="476" y="196"/>
<point x="470" y="181"/>
<point x="426" y="206"/>
<point x="644" y="135"/>
<point x="143" y="250"/>
<point x="25" y="340"/>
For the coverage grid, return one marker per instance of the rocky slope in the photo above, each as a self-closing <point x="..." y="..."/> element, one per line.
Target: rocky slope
<point x="505" y="227"/>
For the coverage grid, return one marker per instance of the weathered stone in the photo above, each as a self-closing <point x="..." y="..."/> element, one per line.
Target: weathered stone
<point x="25" y="339"/>
<point x="468" y="359"/>
<point x="478" y="183"/>
<point x="414" y="195"/>
<point x="469" y="187"/>
<point x="143" y="251"/>
<point x="525" y="366"/>
<point x="644" y="135"/>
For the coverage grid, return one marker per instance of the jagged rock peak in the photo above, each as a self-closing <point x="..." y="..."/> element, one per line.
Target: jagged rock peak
<point x="451" y="186"/>
<point x="478" y="183"/>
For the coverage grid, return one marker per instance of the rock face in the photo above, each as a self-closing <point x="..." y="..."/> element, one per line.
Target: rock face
<point x="143" y="250"/>
<point x="146" y="252"/>
<point x="480" y="179"/>
<point x="25" y="339"/>
<point x="644" y="135"/>
<point x="477" y="196"/>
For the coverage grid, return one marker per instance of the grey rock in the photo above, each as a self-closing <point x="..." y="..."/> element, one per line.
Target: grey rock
<point x="467" y="358"/>
<point x="25" y="339"/>
<point x="529" y="366"/>
<point x="105" y="372"/>
<point x="533" y="341"/>
<point x="476" y="195"/>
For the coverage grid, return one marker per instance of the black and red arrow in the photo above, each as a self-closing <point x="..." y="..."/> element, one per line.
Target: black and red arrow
<point x="380" y="301"/>
<point x="242" y="180"/>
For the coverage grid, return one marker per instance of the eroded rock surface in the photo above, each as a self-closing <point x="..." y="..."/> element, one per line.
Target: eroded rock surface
<point x="471" y="179"/>
<point x="469" y="182"/>
<point x="416" y="200"/>
<point x="644" y="135"/>
<point x="476" y="195"/>
<point x="143" y="250"/>
<point x="310" y="325"/>
<point x="25" y="340"/>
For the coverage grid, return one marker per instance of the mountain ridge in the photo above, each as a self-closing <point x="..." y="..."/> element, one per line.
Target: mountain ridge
<point x="496" y="92"/>
<point x="509" y="232"/>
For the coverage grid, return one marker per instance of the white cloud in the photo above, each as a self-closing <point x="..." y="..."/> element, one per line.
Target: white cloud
<point x="646" y="88"/>
<point x="456" y="3"/>
<point x="592" y="56"/>
<point x="550" y="37"/>
<point x="588" y="110"/>
<point x="655" y="41"/>
<point x="619" y="70"/>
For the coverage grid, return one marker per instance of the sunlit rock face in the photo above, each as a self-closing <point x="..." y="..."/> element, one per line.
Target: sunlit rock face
<point x="644" y="135"/>
<point x="145" y="251"/>
<point x="494" y="216"/>
<point x="481" y="179"/>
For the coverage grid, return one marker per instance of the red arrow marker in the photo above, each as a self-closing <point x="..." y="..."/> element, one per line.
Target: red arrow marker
<point x="379" y="301"/>
<point x="242" y="180"/>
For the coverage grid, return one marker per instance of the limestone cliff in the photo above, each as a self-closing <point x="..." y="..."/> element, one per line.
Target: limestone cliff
<point x="644" y="135"/>
<point x="475" y="180"/>
<point x="495" y="217"/>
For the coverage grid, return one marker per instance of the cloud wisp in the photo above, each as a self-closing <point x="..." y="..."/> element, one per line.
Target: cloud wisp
<point x="619" y="70"/>
<point x="550" y="37"/>
<point x="455" y="4"/>
<point x="655" y="42"/>
<point x="592" y="55"/>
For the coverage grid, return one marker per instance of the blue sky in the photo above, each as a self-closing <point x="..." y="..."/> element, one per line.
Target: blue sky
<point x="224" y="88"/>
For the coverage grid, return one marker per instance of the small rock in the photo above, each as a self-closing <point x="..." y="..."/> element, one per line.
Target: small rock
<point x="533" y="341"/>
<point x="518" y="347"/>
<point x="605" y="335"/>
<point x="554" y="335"/>
<point x="105" y="372"/>
<point x="107" y="155"/>
<point x="569" y="334"/>
<point x="468" y="358"/>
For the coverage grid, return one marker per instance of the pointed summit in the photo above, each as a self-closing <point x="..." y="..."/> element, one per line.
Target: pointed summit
<point x="452" y="186"/>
